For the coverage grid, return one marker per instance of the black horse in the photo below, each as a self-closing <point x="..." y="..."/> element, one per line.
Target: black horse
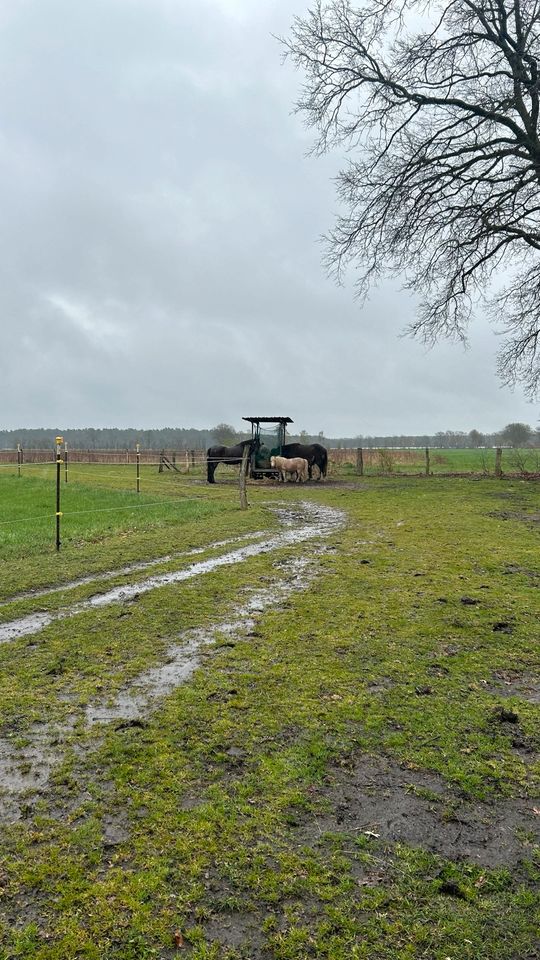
<point x="232" y="455"/>
<point x="314" y="453"/>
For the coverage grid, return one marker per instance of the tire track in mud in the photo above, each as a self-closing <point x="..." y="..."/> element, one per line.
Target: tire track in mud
<point x="25" y="770"/>
<point x="303" y="521"/>
<point x="125" y="571"/>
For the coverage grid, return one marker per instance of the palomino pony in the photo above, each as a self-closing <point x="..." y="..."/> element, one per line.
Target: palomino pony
<point x="297" y="465"/>
<point x="232" y="455"/>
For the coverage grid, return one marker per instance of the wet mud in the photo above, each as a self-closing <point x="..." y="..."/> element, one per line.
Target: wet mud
<point x="303" y="521"/>
<point x="26" y="765"/>
<point x="376" y="798"/>
<point x="386" y="802"/>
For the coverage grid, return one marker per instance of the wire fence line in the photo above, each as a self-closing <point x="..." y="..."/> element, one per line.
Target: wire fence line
<point x="135" y="506"/>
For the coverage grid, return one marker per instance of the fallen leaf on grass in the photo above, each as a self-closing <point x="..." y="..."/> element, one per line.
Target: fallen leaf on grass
<point x="178" y="939"/>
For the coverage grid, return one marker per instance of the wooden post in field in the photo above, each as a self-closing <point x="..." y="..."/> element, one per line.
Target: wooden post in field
<point x="242" y="478"/>
<point x="19" y="459"/>
<point x="427" y="461"/>
<point x="65" y="462"/>
<point x="498" y="463"/>
<point x="187" y="462"/>
<point x="192" y="457"/>
<point x="59" y="442"/>
<point x="138" y="461"/>
<point x="360" y="461"/>
<point x="161" y="461"/>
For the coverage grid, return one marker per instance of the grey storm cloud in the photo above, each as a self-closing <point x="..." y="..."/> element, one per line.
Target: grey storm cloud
<point x="160" y="250"/>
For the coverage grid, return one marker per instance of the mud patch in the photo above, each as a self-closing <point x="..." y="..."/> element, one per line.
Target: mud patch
<point x="533" y="518"/>
<point x="510" y="683"/>
<point x="379" y="799"/>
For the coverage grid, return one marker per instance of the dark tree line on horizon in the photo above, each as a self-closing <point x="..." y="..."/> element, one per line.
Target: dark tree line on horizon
<point x="175" y="438"/>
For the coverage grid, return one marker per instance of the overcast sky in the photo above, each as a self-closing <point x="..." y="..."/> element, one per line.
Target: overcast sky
<point x="160" y="253"/>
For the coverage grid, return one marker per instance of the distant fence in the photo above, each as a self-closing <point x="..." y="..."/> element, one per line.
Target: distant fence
<point x="181" y="457"/>
<point x="360" y="461"/>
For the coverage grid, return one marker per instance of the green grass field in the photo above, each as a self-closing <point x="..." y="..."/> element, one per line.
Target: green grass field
<point x="326" y="782"/>
<point x="480" y="462"/>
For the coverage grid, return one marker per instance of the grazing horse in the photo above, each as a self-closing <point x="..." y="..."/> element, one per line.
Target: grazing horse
<point x="297" y="465"/>
<point x="314" y="453"/>
<point x="232" y="455"/>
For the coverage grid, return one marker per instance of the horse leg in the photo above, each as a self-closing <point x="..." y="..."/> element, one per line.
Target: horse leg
<point x="211" y="469"/>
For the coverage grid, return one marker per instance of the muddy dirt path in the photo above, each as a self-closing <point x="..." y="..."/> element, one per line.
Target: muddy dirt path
<point x="25" y="770"/>
<point x="303" y="521"/>
<point x="129" y="568"/>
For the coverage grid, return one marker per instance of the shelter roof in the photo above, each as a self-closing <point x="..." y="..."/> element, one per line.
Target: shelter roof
<point x="268" y="419"/>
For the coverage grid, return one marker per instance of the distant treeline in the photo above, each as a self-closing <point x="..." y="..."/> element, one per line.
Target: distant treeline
<point x="175" y="438"/>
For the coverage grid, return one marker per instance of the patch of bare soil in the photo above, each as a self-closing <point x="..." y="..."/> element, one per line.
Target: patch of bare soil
<point x="380" y="799"/>
<point x="515" y="515"/>
<point x="510" y="683"/>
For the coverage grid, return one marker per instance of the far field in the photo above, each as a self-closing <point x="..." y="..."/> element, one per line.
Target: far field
<point x="325" y="748"/>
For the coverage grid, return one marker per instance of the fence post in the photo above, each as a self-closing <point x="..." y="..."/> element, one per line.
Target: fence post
<point x="242" y="477"/>
<point x="192" y="456"/>
<point x="138" y="462"/>
<point x="187" y="462"/>
<point x="360" y="461"/>
<point x="162" y="454"/>
<point x="498" y="463"/>
<point x="66" y="462"/>
<point x="19" y="459"/>
<point x="427" y="461"/>
<point x="59" y="442"/>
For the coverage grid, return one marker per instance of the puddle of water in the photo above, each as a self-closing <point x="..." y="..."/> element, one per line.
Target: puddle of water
<point x="130" y="568"/>
<point x="321" y="522"/>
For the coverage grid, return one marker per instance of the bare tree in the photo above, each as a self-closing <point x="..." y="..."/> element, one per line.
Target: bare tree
<point x="438" y="105"/>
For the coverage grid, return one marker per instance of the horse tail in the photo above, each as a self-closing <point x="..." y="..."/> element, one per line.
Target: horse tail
<point x="324" y="461"/>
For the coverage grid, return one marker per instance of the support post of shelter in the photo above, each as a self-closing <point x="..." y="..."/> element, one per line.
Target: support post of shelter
<point x="242" y="478"/>
<point x="498" y="463"/>
<point x="360" y="461"/>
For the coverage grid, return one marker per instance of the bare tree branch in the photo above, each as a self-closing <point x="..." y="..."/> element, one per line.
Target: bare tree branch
<point x="443" y="180"/>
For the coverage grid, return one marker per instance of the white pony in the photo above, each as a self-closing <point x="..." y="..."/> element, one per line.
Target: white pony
<point x="297" y="465"/>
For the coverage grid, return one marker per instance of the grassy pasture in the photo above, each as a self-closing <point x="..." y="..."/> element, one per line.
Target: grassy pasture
<point x="480" y="462"/>
<point x="211" y="829"/>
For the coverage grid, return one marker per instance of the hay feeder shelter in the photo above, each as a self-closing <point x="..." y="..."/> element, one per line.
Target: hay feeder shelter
<point x="269" y="437"/>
